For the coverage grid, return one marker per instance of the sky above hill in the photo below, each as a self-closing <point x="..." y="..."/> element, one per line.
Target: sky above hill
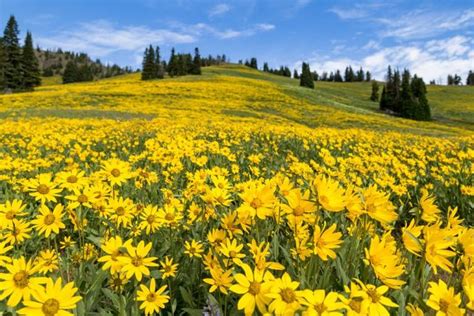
<point x="432" y="38"/>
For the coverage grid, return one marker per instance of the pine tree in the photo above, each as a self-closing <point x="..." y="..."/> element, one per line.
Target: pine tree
<point x="407" y="106"/>
<point x="31" y="72"/>
<point x="470" y="78"/>
<point x="450" y="80"/>
<point x="2" y="66"/>
<point x="159" y="70"/>
<point x="253" y="63"/>
<point x="338" y="77"/>
<point x="306" y="78"/>
<point x="315" y="76"/>
<point x="71" y="72"/>
<point x="265" y="67"/>
<point x="172" y="64"/>
<point x="368" y="76"/>
<point x="360" y="75"/>
<point x="13" y="65"/>
<point x="149" y="69"/>
<point x="423" y="111"/>
<point x="295" y="74"/>
<point x="196" y="69"/>
<point x="375" y="91"/>
<point x="383" y="100"/>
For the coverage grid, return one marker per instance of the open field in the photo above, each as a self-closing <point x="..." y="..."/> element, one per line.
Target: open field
<point x="236" y="190"/>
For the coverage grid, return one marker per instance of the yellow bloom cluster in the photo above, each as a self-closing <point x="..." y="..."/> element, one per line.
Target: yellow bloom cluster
<point x="205" y="205"/>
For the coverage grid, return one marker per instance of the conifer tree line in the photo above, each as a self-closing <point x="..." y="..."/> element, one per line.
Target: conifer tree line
<point x="19" y="70"/>
<point x="456" y="80"/>
<point x="405" y="96"/>
<point x="349" y="75"/>
<point x="178" y="65"/>
<point x="282" y="71"/>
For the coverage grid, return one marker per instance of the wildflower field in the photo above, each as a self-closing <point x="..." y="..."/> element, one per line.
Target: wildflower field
<point x="229" y="194"/>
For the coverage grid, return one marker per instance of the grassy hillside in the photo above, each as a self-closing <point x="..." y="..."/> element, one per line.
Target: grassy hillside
<point x="238" y="92"/>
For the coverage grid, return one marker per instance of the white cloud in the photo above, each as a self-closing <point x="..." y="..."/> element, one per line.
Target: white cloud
<point x="219" y="9"/>
<point x="432" y="60"/>
<point x="200" y="29"/>
<point x="371" y="45"/>
<point x="349" y="13"/>
<point x="101" y="38"/>
<point x="422" y="24"/>
<point x="264" y="27"/>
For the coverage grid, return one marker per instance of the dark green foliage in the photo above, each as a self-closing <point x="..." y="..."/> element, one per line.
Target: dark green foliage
<point x="295" y="74"/>
<point x="196" y="68"/>
<point x="454" y="80"/>
<point x="172" y="64"/>
<point x="71" y="72"/>
<point x="265" y="67"/>
<point x="2" y="66"/>
<point x="349" y="74"/>
<point x="13" y="69"/>
<point x="470" y="78"/>
<point x="306" y="79"/>
<point x="375" y="91"/>
<point x="148" y="65"/>
<point x="31" y="72"/>
<point x="360" y="75"/>
<point x="337" y="76"/>
<point x="253" y="63"/>
<point x="405" y="97"/>
<point x="368" y="76"/>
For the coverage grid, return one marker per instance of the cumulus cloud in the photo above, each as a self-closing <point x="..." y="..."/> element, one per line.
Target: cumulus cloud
<point x="219" y="9"/>
<point x="200" y="29"/>
<point x="101" y="38"/>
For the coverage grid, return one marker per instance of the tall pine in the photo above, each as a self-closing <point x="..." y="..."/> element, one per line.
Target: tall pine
<point x="159" y="69"/>
<point x="172" y="64"/>
<point x="375" y="91"/>
<point x="306" y="78"/>
<point x="13" y="66"/>
<point x="423" y="111"/>
<point x="31" y="72"/>
<point x="196" y="69"/>
<point x="148" y="71"/>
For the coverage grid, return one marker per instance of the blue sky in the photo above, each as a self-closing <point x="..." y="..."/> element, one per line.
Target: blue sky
<point x="432" y="38"/>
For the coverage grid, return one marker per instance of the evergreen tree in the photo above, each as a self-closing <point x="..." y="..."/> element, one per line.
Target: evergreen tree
<point x="85" y="73"/>
<point x="470" y="78"/>
<point x="368" y="76"/>
<point x="450" y="80"/>
<point x="196" y="69"/>
<point x="159" y="69"/>
<point x="423" y="111"/>
<point x="265" y="67"/>
<point x="360" y="75"/>
<point x="338" y="77"/>
<point x="13" y="66"/>
<point x="2" y="66"/>
<point x="306" y="78"/>
<point x="31" y="72"/>
<point x="71" y="72"/>
<point x="407" y="106"/>
<point x="148" y="67"/>
<point x="331" y="76"/>
<point x="172" y="64"/>
<point x="295" y="74"/>
<point x="375" y="91"/>
<point x="315" y="76"/>
<point x="383" y="105"/>
<point x="253" y="63"/>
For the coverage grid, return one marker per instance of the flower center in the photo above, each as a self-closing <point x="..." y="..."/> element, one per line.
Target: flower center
<point x="72" y="179"/>
<point x="137" y="261"/>
<point x="324" y="199"/>
<point x="115" y="172"/>
<point x="254" y="288"/>
<point x="256" y="203"/>
<point x="169" y="216"/>
<point x="320" y="308"/>
<point x="151" y="297"/>
<point x="10" y="215"/>
<point x="50" y="307"/>
<point x="150" y="219"/>
<point x="355" y="305"/>
<point x="42" y="189"/>
<point x="298" y="211"/>
<point x="82" y="198"/>
<point x="373" y="295"/>
<point x="232" y="254"/>
<point x="120" y="211"/>
<point x="443" y="305"/>
<point x="49" y="219"/>
<point x="288" y="295"/>
<point x="21" y="279"/>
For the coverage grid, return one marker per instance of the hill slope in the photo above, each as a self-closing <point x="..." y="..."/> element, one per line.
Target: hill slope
<point x="240" y="93"/>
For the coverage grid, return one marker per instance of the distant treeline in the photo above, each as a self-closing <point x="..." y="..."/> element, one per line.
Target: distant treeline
<point x="456" y="80"/>
<point x="179" y="64"/>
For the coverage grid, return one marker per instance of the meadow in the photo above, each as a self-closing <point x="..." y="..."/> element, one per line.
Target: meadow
<point x="234" y="192"/>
